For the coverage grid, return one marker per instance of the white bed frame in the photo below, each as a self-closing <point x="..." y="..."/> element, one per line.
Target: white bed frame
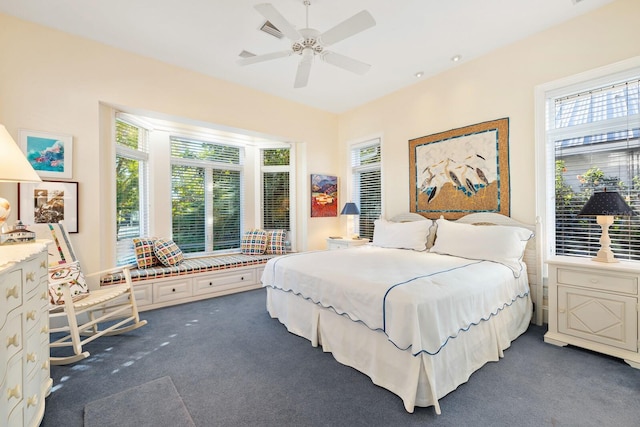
<point x="418" y="380"/>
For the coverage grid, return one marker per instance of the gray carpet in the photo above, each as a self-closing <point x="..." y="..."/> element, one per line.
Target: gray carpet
<point x="233" y="365"/>
<point x="155" y="403"/>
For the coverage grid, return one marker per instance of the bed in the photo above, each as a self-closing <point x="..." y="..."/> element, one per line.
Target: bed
<point x="417" y="317"/>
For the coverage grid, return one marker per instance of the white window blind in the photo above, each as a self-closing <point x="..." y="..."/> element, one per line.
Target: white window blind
<point x="276" y="199"/>
<point x="206" y="195"/>
<point x="132" y="201"/>
<point x="593" y="143"/>
<point x="366" y="184"/>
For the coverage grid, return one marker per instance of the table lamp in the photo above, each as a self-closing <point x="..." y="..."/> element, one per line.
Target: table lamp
<point x="14" y="167"/>
<point x="351" y="209"/>
<point x="604" y="205"/>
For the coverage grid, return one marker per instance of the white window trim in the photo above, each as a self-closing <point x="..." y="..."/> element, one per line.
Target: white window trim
<point x="545" y="206"/>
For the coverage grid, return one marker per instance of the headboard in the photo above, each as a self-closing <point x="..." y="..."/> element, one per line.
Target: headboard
<point x="532" y="256"/>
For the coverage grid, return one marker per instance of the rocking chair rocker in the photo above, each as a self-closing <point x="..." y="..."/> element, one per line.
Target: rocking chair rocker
<point x="85" y="315"/>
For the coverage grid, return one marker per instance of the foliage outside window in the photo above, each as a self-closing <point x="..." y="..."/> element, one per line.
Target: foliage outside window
<point x="276" y="189"/>
<point x="131" y="179"/>
<point x="595" y="139"/>
<point x="206" y="196"/>
<point x="367" y="185"/>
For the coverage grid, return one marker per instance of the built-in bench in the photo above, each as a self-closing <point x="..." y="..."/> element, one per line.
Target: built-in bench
<point x="193" y="279"/>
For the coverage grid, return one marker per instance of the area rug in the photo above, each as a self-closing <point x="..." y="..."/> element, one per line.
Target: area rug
<point x="156" y="403"/>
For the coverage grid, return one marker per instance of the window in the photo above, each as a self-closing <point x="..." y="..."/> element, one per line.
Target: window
<point x="131" y="188"/>
<point x="275" y="167"/>
<point x="366" y="184"/>
<point x="206" y="195"/>
<point x="592" y="143"/>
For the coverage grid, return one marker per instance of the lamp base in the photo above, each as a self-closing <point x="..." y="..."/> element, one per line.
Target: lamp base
<point x="604" y="256"/>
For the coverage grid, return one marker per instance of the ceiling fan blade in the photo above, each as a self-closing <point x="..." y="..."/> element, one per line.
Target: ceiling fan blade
<point x="345" y="62"/>
<point x="304" y="69"/>
<point x="357" y="23"/>
<point x="278" y="21"/>
<point x="261" y="58"/>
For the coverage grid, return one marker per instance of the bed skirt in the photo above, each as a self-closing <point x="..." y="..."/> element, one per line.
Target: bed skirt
<point x="418" y="380"/>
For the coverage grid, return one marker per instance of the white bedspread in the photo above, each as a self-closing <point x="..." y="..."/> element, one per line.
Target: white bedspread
<point x="420" y="300"/>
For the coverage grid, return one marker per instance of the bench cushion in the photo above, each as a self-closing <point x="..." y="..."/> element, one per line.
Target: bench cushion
<point x="189" y="266"/>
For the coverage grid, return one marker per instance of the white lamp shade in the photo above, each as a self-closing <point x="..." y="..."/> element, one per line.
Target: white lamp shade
<point x="14" y="166"/>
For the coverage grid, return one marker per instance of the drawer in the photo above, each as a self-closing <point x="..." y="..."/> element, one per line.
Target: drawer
<point x="10" y="340"/>
<point x="10" y="292"/>
<point x="143" y="293"/>
<point x="11" y="390"/>
<point x="32" y="273"/>
<point x="33" y="312"/>
<point x="224" y="281"/>
<point x="172" y="290"/>
<point x="605" y="282"/>
<point x="33" y="398"/>
<point x="32" y="351"/>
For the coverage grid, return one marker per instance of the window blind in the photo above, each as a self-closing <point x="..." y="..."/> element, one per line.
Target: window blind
<point x="206" y="195"/>
<point x="594" y="140"/>
<point x="276" y="189"/>
<point x="367" y="185"/>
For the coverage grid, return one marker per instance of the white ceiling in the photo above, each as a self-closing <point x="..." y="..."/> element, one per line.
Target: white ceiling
<point x="208" y="35"/>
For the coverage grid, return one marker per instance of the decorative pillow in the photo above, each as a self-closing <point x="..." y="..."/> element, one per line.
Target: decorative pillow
<point x="401" y="235"/>
<point x="275" y="242"/>
<point x="66" y="275"/>
<point x="254" y="242"/>
<point x="145" y="254"/>
<point x="497" y="243"/>
<point x="167" y="252"/>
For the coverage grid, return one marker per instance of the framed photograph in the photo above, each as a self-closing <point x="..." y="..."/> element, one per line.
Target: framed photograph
<point x="324" y="195"/>
<point x="461" y="171"/>
<point x="49" y="201"/>
<point x="51" y="155"/>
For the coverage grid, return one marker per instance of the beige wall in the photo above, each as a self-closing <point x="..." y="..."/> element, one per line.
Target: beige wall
<point x="55" y="82"/>
<point x="494" y="86"/>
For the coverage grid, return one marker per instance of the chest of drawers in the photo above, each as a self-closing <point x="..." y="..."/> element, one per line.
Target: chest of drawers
<point x="24" y="336"/>
<point x="594" y="305"/>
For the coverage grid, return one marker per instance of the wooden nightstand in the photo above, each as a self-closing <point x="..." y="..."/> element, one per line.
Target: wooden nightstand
<point x="342" y="243"/>
<point x="594" y="305"/>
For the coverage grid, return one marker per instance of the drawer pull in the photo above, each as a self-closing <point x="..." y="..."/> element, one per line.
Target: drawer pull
<point x="45" y="365"/>
<point x="33" y="400"/>
<point x="32" y="357"/>
<point x="31" y="315"/>
<point x="44" y="295"/>
<point x="241" y="277"/>
<point x="210" y="283"/>
<point x="31" y="277"/>
<point x="562" y="310"/>
<point x="13" y="292"/>
<point x="594" y="281"/>
<point x="173" y="289"/>
<point x="14" y="392"/>
<point x="45" y="329"/>
<point x="43" y="264"/>
<point x="13" y="341"/>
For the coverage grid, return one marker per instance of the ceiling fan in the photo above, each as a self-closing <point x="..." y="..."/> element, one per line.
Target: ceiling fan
<point x="308" y="42"/>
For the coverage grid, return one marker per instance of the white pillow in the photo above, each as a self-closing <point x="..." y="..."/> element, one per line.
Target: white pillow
<point x="498" y="243"/>
<point x="401" y="235"/>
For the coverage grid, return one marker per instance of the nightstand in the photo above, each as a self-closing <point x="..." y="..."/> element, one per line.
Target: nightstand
<point x="594" y="305"/>
<point x="342" y="243"/>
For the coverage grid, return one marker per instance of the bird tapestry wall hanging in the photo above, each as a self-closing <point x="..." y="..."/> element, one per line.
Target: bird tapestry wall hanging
<point x="461" y="171"/>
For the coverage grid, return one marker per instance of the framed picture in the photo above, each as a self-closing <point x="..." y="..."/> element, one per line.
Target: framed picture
<point x="49" y="154"/>
<point x="461" y="171"/>
<point x="324" y="195"/>
<point x="49" y="201"/>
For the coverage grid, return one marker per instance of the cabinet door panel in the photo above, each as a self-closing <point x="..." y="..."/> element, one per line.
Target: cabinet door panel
<point x="597" y="316"/>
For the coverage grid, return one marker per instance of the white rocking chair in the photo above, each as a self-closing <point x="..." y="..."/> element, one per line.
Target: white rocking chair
<point x="85" y="315"/>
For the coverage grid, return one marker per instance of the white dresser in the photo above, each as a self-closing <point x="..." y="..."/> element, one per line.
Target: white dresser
<point x="594" y="305"/>
<point x="24" y="335"/>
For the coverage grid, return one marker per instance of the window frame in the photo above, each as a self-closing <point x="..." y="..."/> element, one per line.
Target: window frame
<point x="545" y="151"/>
<point x="352" y="192"/>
